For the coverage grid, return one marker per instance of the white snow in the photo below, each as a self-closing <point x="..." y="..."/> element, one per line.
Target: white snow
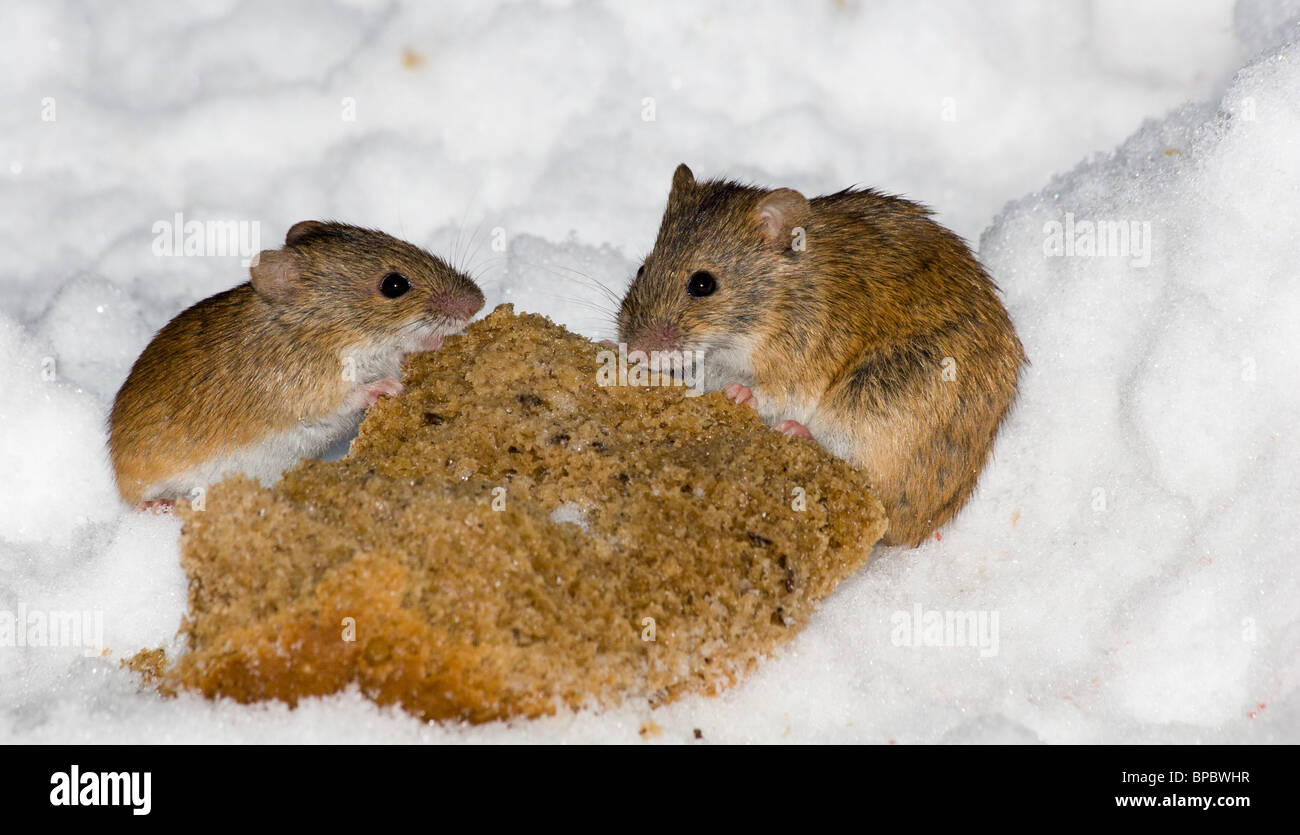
<point x="1132" y="535"/>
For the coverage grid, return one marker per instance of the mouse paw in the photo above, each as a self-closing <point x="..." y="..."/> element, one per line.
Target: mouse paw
<point x="380" y="388"/>
<point x="741" y="395"/>
<point x="793" y="428"/>
<point x="158" y="507"/>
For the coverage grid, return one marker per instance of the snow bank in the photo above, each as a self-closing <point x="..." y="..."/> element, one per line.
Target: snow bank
<point x="1158" y="428"/>
<point x="1124" y="568"/>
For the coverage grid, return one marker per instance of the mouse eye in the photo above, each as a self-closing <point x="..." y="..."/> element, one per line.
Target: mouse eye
<point x="394" y="285"/>
<point x="701" y="283"/>
<point x="640" y="271"/>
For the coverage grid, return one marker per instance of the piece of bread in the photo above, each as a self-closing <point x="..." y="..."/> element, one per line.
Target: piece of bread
<point x="391" y="567"/>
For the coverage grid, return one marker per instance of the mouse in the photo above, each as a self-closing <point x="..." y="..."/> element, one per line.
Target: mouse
<point x="280" y="367"/>
<point x="853" y="319"/>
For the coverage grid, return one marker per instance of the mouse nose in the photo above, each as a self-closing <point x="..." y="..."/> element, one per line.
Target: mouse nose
<point x="461" y="305"/>
<point x="660" y="336"/>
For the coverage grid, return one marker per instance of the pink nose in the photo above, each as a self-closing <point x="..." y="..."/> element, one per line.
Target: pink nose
<point x="462" y="306"/>
<point x="658" y="337"/>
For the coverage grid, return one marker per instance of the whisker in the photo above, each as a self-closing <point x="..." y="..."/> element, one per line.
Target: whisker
<point x="592" y="281"/>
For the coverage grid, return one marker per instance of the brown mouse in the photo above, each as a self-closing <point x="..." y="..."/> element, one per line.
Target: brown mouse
<point x="282" y="366"/>
<point x="853" y="318"/>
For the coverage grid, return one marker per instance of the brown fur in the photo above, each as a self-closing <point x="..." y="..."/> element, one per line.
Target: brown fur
<point x="857" y="325"/>
<point x="254" y="360"/>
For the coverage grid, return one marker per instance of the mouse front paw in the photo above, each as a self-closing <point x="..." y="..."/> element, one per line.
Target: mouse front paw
<point x="793" y="428"/>
<point x="158" y="507"/>
<point x="389" y="387"/>
<point x="741" y="395"/>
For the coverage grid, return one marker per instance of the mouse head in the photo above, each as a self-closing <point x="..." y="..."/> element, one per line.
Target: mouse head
<point x="723" y="252"/>
<point x="364" y="283"/>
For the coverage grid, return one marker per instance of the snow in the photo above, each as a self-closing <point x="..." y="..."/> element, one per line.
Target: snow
<point x="1131" y="535"/>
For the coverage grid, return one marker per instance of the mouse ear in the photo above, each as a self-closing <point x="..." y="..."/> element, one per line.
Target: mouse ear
<point x="275" y="275"/>
<point x="780" y="213"/>
<point x="683" y="180"/>
<point x="302" y="229"/>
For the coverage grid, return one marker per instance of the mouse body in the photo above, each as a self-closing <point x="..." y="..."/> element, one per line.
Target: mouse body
<point x="283" y="366"/>
<point x="853" y="318"/>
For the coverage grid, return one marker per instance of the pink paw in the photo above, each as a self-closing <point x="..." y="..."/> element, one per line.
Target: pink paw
<point x="381" y="388"/>
<point x="741" y="395"/>
<point x="793" y="428"/>
<point x="158" y="507"/>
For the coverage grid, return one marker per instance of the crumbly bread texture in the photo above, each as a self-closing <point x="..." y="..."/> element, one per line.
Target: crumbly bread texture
<point x="622" y="514"/>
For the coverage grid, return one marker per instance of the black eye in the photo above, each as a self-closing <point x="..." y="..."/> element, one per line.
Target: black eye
<point x="394" y="285"/>
<point x="701" y="283"/>
<point x="640" y="270"/>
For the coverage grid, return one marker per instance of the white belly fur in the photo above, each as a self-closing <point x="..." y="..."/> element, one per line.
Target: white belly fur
<point x="266" y="460"/>
<point x="733" y="365"/>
